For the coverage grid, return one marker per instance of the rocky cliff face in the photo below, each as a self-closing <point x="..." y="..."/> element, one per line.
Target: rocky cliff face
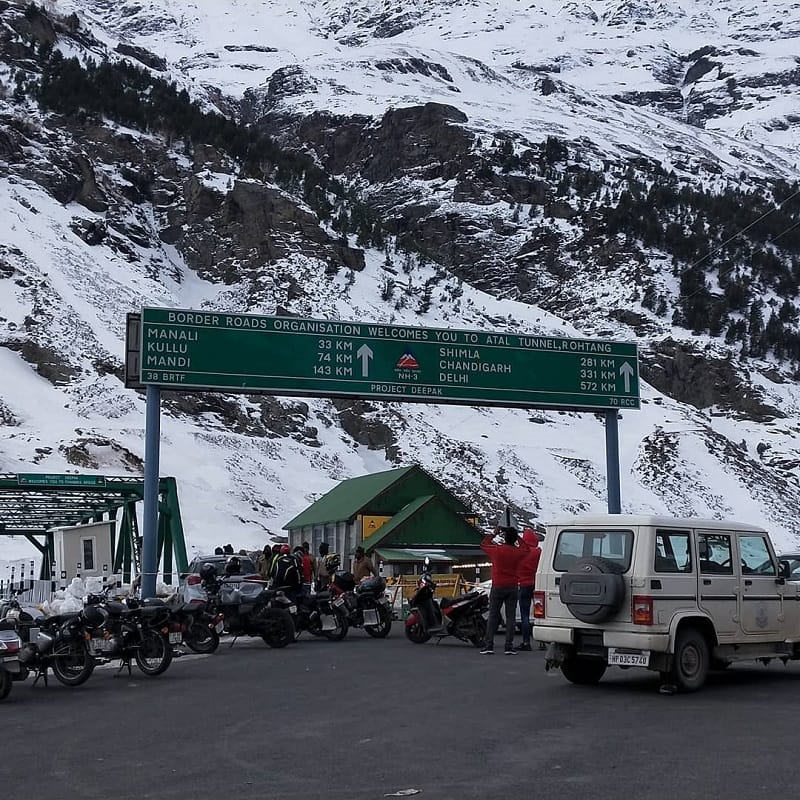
<point x="535" y="205"/>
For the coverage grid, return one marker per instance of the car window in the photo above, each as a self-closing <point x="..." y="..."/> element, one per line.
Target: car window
<point x="714" y="551"/>
<point x="613" y="545"/>
<point x="756" y="559"/>
<point x="673" y="552"/>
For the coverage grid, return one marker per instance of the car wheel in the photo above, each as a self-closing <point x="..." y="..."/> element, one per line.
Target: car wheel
<point x="583" y="671"/>
<point x="691" y="660"/>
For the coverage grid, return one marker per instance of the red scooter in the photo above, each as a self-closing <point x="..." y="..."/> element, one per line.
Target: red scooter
<point x="463" y="616"/>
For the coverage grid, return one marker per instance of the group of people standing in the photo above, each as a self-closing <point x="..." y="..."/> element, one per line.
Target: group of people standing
<point x="298" y="570"/>
<point x="515" y="560"/>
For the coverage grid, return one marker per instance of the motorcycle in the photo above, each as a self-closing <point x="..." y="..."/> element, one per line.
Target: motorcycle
<point x="191" y="623"/>
<point x="50" y="643"/>
<point x="128" y="632"/>
<point x="9" y="657"/>
<point x="248" y="608"/>
<point x="365" y="604"/>
<point x="463" y="616"/>
<point x="317" y="613"/>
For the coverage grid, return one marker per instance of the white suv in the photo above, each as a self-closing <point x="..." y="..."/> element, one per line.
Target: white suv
<point x="678" y="596"/>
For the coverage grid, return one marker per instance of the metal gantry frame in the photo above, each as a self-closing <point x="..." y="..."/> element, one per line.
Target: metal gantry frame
<point x="32" y="505"/>
<point x="144" y="369"/>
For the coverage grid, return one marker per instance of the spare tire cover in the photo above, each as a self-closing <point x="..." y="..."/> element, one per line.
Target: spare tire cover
<point x="593" y="589"/>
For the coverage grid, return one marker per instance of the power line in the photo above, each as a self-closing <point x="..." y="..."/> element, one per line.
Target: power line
<point x="743" y="230"/>
<point x="739" y="233"/>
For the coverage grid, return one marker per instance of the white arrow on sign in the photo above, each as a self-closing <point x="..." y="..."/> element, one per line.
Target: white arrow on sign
<point x="626" y="370"/>
<point x="365" y="354"/>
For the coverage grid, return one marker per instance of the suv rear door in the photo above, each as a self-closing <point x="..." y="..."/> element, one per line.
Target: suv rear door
<point x="673" y="586"/>
<point x="718" y="581"/>
<point x="761" y="598"/>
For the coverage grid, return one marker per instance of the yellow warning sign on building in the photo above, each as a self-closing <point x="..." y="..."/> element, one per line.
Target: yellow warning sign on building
<point x="370" y="524"/>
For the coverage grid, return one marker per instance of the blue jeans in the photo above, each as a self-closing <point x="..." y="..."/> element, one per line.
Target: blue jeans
<point x="525" y="601"/>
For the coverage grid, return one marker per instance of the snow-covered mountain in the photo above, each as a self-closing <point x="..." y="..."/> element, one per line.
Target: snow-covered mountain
<point x="616" y="168"/>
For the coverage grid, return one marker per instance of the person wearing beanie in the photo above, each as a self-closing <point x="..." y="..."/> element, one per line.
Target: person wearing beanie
<point x="505" y="552"/>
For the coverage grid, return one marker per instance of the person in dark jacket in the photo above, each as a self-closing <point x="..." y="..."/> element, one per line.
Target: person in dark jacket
<point x="285" y="573"/>
<point x="505" y="551"/>
<point x="528" y="565"/>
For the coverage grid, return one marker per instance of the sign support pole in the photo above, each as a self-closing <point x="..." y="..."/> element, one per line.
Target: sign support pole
<point x="152" y="442"/>
<point x="612" y="463"/>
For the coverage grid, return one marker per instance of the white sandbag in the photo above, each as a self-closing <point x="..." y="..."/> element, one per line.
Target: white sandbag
<point x="94" y="585"/>
<point x="72" y="604"/>
<point x="76" y="589"/>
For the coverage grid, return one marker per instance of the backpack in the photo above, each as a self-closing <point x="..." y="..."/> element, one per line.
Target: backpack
<point x="285" y="572"/>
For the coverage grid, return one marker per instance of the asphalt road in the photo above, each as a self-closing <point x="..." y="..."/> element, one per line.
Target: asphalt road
<point x="364" y="718"/>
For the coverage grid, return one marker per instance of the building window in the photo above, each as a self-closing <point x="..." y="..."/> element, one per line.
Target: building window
<point x="87" y="546"/>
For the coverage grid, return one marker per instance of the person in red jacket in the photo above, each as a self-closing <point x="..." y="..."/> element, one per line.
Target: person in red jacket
<point x="505" y="551"/>
<point x="528" y="565"/>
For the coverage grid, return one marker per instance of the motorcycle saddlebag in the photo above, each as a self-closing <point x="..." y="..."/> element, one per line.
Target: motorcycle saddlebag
<point x="374" y="584"/>
<point x="345" y="581"/>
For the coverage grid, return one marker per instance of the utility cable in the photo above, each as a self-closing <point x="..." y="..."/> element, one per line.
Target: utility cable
<point x="739" y="233"/>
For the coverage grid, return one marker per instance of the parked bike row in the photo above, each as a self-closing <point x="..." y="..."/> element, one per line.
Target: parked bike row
<point x="149" y="633"/>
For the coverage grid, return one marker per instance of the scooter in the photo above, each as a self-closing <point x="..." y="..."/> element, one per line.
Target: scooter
<point x="463" y="616"/>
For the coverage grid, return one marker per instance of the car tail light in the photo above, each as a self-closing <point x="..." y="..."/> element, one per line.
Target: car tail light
<point x="195" y="601"/>
<point x="193" y="580"/>
<point x="642" y="610"/>
<point x="538" y="605"/>
<point x="9" y="642"/>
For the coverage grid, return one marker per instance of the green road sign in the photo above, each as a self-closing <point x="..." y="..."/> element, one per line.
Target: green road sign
<point x="183" y="349"/>
<point x="60" y="480"/>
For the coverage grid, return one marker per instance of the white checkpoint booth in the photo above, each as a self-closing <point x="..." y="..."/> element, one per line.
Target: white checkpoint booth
<point x="84" y="550"/>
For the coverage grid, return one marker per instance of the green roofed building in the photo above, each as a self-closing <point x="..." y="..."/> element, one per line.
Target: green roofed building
<point x="399" y="516"/>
